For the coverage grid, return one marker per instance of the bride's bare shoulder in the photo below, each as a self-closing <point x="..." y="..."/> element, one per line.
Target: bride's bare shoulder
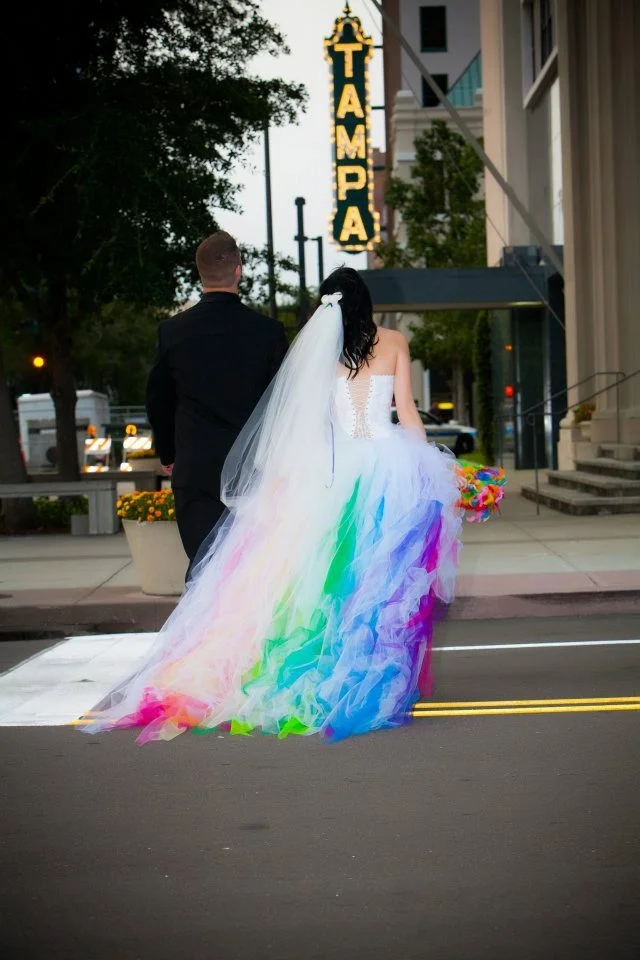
<point x="391" y="339"/>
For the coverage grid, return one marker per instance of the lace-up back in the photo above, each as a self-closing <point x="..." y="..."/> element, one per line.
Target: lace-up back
<point x="363" y="405"/>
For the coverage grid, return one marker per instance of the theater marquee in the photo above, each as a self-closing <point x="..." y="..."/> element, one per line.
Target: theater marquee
<point x="355" y="226"/>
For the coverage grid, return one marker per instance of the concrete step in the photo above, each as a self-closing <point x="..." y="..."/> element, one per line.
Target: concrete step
<point x="619" y="451"/>
<point x="593" y="483"/>
<point x="578" y="503"/>
<point x="607" y="466"/>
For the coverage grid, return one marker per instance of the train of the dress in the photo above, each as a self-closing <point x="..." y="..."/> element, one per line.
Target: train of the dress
<point x="313" y="609"/>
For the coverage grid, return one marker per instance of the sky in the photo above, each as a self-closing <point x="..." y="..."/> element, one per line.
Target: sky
<point x="301" y="153"/>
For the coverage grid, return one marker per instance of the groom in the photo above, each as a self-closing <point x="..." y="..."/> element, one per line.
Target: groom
<point x="213" y="363"/>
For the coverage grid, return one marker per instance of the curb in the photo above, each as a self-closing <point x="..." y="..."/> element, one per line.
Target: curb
<point x="149" y="614"/>
<point x="521" y="606"/>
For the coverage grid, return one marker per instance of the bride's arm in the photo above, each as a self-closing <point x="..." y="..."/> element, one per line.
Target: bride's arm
<point x="407" y="412"/>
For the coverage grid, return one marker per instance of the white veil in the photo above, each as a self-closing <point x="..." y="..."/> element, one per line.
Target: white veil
<point x="290" y="433"/>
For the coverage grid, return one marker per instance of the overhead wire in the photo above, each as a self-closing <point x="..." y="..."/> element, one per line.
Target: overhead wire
<point x="541" y="295"/>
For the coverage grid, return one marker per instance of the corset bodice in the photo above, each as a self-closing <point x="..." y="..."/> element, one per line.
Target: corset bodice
<point x="363" y="405"/>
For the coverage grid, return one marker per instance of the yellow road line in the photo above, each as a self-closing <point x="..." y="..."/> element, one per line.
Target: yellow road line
<point x="593" y="708"/>
<point x="564" y="701"/>
<point x="486" y="708"/>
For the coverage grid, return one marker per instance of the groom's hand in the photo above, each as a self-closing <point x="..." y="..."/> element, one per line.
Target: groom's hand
<point x="167" y="469"/>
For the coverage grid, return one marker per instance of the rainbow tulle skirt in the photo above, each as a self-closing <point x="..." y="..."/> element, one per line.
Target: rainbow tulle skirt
<point x="313" y="610"/>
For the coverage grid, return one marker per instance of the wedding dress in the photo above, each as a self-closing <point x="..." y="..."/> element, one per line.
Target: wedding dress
<point x="312" y="608"/>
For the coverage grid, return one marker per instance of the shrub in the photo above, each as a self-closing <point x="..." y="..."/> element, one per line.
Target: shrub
<point x="147" y="506"/>
<point x="584" y="412"/>
<point x="55" y="512"/>
<point x="483" y="372"/>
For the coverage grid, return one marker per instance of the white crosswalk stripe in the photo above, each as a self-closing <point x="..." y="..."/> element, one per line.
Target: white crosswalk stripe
<point x="57" y="686"/>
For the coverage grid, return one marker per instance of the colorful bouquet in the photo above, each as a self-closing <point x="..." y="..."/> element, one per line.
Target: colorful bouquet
<point x="147" y="506"/>
<point x="481" y="490"/>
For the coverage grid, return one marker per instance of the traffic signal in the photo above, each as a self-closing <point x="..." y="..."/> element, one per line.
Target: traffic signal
<point x="38" y="361"/>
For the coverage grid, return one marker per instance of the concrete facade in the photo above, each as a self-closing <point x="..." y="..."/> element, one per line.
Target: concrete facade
<point x="406" y="118"/>
<point x="565" y="132"/>
<point x="463" y="34"/>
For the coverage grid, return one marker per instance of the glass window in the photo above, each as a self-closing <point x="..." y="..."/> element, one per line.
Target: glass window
<point x="433" y="29"/>
<point x="546" y="30"/>
<point x="429" y="98"/>
<point x="539" y="36"/>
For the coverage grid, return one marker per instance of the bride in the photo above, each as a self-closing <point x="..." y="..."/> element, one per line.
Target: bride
<point x="312" y="603"/>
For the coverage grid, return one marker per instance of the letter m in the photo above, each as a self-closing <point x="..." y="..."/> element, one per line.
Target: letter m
<point x="354" y="147"/>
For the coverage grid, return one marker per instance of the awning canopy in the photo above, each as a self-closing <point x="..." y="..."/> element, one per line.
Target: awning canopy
<point x="420" y="290"/>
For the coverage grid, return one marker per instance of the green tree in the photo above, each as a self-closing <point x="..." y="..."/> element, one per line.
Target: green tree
<point x="127" y="119"/>
<point x="15" y="372"/>
<point x="113" y="350"/>
<point x="442" y="225"/>
<point x="254" y="285"/>
<point x="443" y="340"/>
<point x="483" y="374"/>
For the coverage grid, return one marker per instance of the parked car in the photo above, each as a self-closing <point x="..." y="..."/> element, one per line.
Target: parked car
<point x="457" y="437"/>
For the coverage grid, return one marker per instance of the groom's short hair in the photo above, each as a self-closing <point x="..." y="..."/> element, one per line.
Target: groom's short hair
<point x="216" y="259"/>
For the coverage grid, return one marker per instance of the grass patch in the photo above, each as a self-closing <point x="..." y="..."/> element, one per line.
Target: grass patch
<point x="477" y="456"/>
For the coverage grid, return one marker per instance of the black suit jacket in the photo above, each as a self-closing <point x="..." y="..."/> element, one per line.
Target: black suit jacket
<point x="213" y="363"/>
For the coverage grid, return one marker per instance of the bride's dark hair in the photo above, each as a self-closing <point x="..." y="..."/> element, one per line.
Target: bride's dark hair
<point x="360" y="334"/>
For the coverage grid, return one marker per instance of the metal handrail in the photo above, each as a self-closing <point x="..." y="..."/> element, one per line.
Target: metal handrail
<point x="574" y="386"/>
<point x="500" y="418"/>
<point x="531" y="416"/>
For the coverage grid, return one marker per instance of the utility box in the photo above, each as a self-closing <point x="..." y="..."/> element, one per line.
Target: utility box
<point x="37" y="422"/>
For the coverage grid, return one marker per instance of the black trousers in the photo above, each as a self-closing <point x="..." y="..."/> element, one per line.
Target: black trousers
<point x="197" y="513"/>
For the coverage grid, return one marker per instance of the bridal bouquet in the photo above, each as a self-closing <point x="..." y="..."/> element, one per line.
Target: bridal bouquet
<point x="481" y="490"/>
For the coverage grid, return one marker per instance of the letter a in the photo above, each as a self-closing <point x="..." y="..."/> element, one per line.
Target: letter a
<point x="353" y="225"/>
<point x="349" y="103"/>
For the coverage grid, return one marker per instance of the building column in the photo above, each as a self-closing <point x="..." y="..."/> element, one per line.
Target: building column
<point x="599" y="70"/>
<point x="504" y="123"/>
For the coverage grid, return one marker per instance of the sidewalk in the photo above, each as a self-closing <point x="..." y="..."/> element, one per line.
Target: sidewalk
<point x="517" y="565"/>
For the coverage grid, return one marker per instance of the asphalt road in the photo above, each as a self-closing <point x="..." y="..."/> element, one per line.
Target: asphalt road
<point x="511" y="837"/>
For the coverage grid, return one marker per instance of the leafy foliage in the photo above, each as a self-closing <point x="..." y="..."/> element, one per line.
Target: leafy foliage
<point x="584" y="413"/>
<point x="54" y="513"/>
<point x="147" y="506"/>
<point x="442" y="225"/>
<point x="124" y="131"/>
<point x="442" y="337"/>
<point x="113" y="350"/>
<point x="254" y="285"/>
<point x="482" y="368"/>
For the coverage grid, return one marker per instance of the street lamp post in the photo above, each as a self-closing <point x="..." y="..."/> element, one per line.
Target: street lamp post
<point x="273" y="306"/>
<point x="301" y="239"/>
<point x="319" y="241"/>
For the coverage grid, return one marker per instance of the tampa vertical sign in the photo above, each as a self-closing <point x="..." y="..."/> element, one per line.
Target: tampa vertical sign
<point x="355" y="226"/>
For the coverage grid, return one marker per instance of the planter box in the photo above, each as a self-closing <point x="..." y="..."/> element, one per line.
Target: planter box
<point x="79" y="524"/>
<point x="585" y="431"/>
<point x="158" y="556"/>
